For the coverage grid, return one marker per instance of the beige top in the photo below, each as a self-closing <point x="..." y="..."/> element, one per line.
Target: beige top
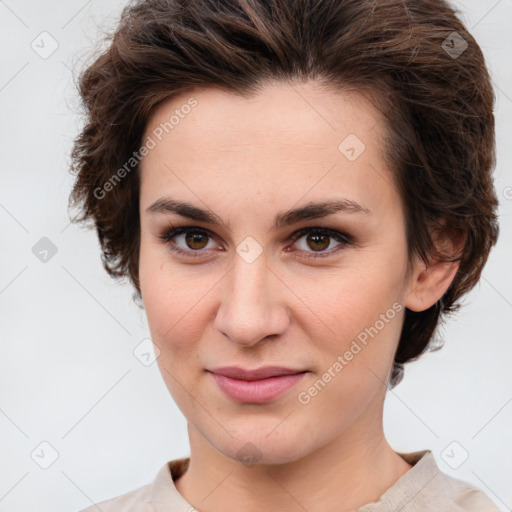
<point x="423" y="488"/>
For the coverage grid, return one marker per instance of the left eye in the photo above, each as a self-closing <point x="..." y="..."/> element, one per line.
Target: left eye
<point x="318" y="238"/>
<point x="196" y="239"/>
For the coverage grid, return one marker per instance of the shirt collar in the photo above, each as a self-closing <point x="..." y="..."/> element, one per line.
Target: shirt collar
<point x="406" y="488"/>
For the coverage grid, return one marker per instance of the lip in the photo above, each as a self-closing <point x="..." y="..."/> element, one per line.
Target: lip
<point x="256" y="386"/>
<point x="265" y="372"/>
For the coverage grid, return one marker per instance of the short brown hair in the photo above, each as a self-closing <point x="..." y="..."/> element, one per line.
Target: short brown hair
<point x="425" y="70"/>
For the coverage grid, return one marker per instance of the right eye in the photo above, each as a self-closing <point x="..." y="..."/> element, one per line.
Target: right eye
<point x="191" y="238"/>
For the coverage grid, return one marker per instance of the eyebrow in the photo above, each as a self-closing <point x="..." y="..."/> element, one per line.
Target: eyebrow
<point x="285" y="218"/>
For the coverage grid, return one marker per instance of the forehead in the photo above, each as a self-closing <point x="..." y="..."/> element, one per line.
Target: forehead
<point x="280" y="113"/>
<point x="296" y="139"/>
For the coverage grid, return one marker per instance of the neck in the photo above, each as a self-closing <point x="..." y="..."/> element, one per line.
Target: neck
<point x="353" y="469"/>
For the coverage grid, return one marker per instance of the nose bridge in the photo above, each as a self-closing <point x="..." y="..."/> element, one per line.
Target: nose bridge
<point x="250" y="308"/>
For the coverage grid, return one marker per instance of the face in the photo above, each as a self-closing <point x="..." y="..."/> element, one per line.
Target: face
<point x="321" y="294"/>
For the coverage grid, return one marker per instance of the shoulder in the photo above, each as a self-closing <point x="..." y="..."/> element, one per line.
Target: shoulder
<point x="160" y="495"/>
<point x="138" y="500"/>
<point x="425" y="487"/>
<point x="461" y="496"/>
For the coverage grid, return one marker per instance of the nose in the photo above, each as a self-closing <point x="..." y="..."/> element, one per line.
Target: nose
<point x="252" y="306"/>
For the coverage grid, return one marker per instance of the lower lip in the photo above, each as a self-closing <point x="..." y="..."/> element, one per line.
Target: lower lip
<point x="256" y="391"/>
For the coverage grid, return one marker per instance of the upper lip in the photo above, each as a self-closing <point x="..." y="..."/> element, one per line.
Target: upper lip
<point x="261" y="373"/>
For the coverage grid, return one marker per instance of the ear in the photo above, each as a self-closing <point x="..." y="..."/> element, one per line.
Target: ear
<point x="429" y="282"/>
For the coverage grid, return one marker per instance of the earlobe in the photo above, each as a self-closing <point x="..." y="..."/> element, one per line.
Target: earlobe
<point x="429" y="283"/>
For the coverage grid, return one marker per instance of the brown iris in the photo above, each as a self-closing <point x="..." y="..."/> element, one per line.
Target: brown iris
<point x="198" y="240"/>
<point x="316" y="239"/>
<point x="194" y="237"/>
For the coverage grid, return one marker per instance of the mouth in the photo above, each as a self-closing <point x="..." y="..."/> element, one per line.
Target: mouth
<point x="256" y="386"/>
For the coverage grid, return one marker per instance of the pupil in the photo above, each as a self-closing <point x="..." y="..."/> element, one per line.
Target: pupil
<point x="193" y="238"/>
<point x="316" y="240"/>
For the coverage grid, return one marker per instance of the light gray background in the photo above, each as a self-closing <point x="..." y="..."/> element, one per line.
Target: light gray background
<point x="68" y="375"/>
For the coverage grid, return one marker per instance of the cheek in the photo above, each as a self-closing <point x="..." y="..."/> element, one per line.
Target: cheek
<point x="344" y="303"/>
<point x="175" y="326"/>
<point x="162" y="299"/>
<point x="173" y="300"/>
<point x="361" y="319"/>
<point x="173" y="314"/>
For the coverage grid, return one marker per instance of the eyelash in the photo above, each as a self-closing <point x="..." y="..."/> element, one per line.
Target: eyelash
<point x="343" y="238"/>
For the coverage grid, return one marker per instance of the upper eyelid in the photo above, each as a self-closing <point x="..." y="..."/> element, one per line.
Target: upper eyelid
<point x="295" y="235"/>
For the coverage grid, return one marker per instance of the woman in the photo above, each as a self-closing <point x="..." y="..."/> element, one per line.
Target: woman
<point x="298" y="191"/>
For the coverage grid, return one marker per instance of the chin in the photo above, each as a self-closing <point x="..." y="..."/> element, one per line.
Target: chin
<point x="255" y="447"/>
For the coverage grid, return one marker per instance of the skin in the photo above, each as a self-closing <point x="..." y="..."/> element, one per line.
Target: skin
<point x="260" y="156"/>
